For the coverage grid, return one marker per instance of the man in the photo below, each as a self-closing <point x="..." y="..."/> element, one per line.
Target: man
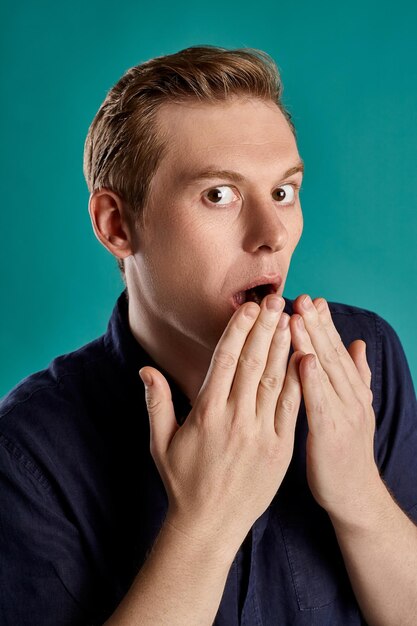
<point x="259" y="491"/>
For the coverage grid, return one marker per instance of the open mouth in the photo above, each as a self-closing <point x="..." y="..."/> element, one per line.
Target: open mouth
<point x="254" y="294"/>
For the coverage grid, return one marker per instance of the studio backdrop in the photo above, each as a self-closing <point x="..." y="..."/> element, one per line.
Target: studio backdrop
<point x="350" y="82"/>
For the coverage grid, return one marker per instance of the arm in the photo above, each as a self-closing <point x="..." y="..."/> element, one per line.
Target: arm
<point x="180" y="584"/>
<point x="221" y="468"/>
<point x="377" y="540"/>
<point x="380" y="554"/>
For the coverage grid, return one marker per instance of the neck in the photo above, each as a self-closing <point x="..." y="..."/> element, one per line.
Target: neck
<point x="182" y="358"/>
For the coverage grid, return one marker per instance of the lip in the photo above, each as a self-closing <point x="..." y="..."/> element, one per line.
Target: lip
<point x="273" y="279"/>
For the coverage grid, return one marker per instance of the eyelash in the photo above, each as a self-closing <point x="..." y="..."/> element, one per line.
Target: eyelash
<point x="295" y="186"/>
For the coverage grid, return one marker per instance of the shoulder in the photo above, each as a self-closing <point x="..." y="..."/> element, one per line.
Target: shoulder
<point x="353" y="322"/>
<point x="383" y="343"/>
<point x="48" y="412"/>
<point x="62" y="375"/>
<point x="350" y="318"/>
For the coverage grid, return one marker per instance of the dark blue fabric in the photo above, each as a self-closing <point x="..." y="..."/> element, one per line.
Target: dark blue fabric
<point x="82" y="500"/>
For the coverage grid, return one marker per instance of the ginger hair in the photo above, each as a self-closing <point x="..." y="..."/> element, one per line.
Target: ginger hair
<point x="124" y="145"/>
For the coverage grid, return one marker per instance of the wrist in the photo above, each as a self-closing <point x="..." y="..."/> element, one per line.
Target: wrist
<point x="366" y="511"/>
<point x="200" y="541"/>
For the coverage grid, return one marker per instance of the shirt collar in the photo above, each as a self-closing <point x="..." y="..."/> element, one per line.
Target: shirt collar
<point x="131" y="356"/>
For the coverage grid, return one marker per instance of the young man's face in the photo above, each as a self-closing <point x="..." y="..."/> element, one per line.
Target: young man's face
<point x="209" y="236"/>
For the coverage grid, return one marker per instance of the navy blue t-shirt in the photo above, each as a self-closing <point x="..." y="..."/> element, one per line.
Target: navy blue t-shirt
<point x="82" y="501"/>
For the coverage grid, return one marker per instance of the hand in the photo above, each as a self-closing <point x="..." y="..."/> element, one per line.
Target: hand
<point x="224" y="465"/>
<point x="341" y="468"/>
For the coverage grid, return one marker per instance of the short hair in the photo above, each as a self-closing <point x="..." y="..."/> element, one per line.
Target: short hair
<point x="123" y="146"/>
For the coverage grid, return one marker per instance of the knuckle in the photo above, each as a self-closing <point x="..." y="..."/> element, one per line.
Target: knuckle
<point x="331" y="356"/>
<point x="270" y="382"/>
<point x="324" y="378"/>
<point x="340" y="348"/>
<point x="224" y="359"/>
<point x="356" y="406"/>
<point x="363" y="394"/>
<point x="206" y="408"/>
<point x="241" y="433"/>
<point x="266" y="324"/>
<point x="153" y="404"/>
<point x="320" y="407"/>
<point x="286" y="405"/>
<point x="251" y="362"/>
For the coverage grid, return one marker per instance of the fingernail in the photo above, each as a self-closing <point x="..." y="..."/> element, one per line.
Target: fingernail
<point x="313" y="363"/>
<point x="274" y="303"/>
<point x="321" y="306"/>
<point x="307" y="303"/>
<point x="283" y="321"/>
<point x="146" y="378"/>
<point x="300" y="323"/>
<point x="251" y="311"/>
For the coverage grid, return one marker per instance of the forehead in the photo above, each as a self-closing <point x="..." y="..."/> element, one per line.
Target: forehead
<point x="227" y="134"/>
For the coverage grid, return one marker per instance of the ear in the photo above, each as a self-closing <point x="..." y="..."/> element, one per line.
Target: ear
<point x="110" y="223"/>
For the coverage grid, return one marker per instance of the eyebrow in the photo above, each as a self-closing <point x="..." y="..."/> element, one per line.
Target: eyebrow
<point x="191" y="177"/>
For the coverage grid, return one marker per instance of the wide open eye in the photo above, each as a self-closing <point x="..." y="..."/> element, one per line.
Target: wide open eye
<point x="284" y="194"/>
<point x="221" y="195"/>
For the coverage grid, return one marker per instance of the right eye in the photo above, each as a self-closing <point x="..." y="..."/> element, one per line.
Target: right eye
<point x="221" y="195"/>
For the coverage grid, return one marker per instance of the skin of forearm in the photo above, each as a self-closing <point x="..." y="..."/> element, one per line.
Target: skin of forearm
<point x="180" y="584"/>
<point x="380" y="554"/>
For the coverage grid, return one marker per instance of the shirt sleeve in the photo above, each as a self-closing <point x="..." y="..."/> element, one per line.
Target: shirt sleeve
<point x="43" y="572"/>
<point x="396" y="418"/>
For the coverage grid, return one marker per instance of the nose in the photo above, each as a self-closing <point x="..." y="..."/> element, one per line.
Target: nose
<point x="264" y="229"/>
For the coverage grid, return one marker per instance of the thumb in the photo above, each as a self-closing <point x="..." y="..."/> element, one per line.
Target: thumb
<point x="163" y="424"/>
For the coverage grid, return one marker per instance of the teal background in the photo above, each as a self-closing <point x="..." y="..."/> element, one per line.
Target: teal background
<point x="350" y="78"/>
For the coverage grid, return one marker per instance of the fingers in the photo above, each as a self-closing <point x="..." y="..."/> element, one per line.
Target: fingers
<point x="333" y="358"/>
<point x="273" y="376"/>
<point x="254" y="355"/>
<point x="289" y="400"/>
<point x="221" y="372"/>
<point x="357" y="352"/>
<point x="327" y="323"/>
<point x="162" y="421"/>
<point x="230" y="355"/>
<point x="301" y="341"/>
<point x="315" y="398"/>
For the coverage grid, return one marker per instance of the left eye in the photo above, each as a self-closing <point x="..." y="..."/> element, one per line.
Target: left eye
<point x="221" y="195"/>
<point x="284" y="194"/>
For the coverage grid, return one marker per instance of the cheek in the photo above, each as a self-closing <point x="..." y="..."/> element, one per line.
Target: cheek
<point x="203" y="240"/>
<point x="190" y="253"/>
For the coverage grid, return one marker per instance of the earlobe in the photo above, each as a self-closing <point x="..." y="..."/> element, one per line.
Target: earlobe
<point x="109" y="221"/>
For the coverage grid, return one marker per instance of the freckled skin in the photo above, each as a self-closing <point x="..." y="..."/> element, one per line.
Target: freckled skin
<point x="193" y="253"/>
